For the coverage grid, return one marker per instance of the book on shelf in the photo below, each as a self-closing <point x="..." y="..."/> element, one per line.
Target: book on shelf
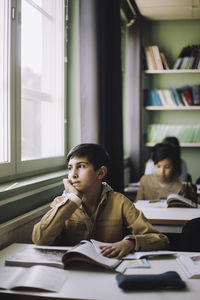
<point x="197" y="59"/>
<point x="179" y="60"/>
<point x="153" y="58"/>
<point x="149" y="59"/>
<point x="176" y="200"/>
<point x="162" y="97"/>
<point x="182" y="96"/>
<point x="186" y="94"/>
<point x="198" y="66"/>
<point x="188" y="58"/>
<point x="42" y="278"/>
<point x="169" y="98"/>
<point x="176" y="97"/>
<point x="196" y="94"/>
<point x="185" y="62"/>
<point x="157" y="57"/>
<point x="164" y="61"/>
<point x="151" y="98"/>
<point x="177" y="63"/>
<point x="190" y="265"/>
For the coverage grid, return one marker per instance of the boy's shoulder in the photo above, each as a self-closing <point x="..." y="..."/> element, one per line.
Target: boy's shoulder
<point x="118" y="198"/>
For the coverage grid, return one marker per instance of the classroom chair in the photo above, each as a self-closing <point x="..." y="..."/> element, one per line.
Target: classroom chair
<point x="190" y="240"/>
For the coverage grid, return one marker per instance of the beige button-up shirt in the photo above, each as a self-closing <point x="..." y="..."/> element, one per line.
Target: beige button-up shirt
<point x="116" y="218"/>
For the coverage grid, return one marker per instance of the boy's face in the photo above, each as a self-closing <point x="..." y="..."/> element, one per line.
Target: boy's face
<point x="164" y="170"/>
<point x="82" y="174"/>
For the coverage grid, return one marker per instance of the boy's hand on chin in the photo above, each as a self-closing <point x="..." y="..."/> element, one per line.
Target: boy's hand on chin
<point x="118" y="249"/>
<point x="69" y="188"/>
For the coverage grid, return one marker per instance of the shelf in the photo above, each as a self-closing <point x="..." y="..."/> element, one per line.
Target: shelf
<point x="180" y="108"/>
<point x="186" y="145"/>
<point x="172" y="71"/>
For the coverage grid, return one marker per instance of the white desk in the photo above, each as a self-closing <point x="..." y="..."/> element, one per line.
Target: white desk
<point x="168" y="220"/>
<point x="102" y="285"/>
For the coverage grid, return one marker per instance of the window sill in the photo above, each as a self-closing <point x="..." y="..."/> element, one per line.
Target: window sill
<point x="30" y="183"/>
<point x="21" y="196"/>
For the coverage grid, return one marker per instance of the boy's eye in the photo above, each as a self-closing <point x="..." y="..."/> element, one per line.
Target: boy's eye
<point x="81" y="166"/>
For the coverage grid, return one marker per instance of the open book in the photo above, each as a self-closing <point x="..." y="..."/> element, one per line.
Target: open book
<point x="87" y="252"/>
<point x="90" y="252"/>
<point x="30" y="255"/>
<point x="134" y="255"/>
<point x="63" y="257"/>
<point x="175" y="200"/>
<point x="190" y="265"/>
<point x="36" y="277"/>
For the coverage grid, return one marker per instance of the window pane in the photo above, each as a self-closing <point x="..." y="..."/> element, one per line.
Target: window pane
<point x="42" y="88"/>
<point x="4" y="83"/>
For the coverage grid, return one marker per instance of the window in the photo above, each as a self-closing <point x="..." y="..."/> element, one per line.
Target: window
<point x="4" y="83"/>
<point x="32" y="106"/>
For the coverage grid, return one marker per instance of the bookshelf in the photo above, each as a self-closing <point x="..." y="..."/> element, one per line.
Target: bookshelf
<point x="194" y="107"/>
<point x="185" y="145"/>
<point x="171" y="71"/>
<point x="164" y="34"/>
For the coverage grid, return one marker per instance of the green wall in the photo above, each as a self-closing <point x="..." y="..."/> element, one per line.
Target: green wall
<point x="171" y="37"/>
<point x="73" y="77"/>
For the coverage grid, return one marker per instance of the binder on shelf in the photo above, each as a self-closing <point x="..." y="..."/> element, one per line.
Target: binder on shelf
<point x="185" y="133"/>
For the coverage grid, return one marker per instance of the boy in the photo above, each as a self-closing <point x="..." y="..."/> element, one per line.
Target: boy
<point x="89" y="209"/>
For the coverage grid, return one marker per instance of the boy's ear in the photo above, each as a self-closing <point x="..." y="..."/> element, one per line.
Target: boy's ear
<point x="102" y="172"/>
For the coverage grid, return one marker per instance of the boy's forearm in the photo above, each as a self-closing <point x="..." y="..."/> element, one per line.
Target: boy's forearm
<point x="52" y="224"/>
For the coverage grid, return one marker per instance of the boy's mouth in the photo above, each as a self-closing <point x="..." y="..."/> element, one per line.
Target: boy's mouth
<point x="75" y="183"/>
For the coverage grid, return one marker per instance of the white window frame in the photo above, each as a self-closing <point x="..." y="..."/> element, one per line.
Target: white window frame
<point x="17" y="168"/>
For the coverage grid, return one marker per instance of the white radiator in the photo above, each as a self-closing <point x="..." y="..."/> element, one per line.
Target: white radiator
<point x="19" y="229"/>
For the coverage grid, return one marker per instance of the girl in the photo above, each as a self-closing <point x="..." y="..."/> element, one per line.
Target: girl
<point x="167" y="163"/>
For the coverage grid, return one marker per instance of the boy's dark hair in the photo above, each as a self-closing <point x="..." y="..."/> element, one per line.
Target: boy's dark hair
<point x="95" y="153"/>
<point x="162" y="151"/>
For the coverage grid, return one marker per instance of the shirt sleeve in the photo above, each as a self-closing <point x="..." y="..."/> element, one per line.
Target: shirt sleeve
<point x="146" y="236"/>
<point x="50" y="227"/>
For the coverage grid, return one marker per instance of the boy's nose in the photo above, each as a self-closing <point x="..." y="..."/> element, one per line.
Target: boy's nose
<point x="74" y="174"/>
